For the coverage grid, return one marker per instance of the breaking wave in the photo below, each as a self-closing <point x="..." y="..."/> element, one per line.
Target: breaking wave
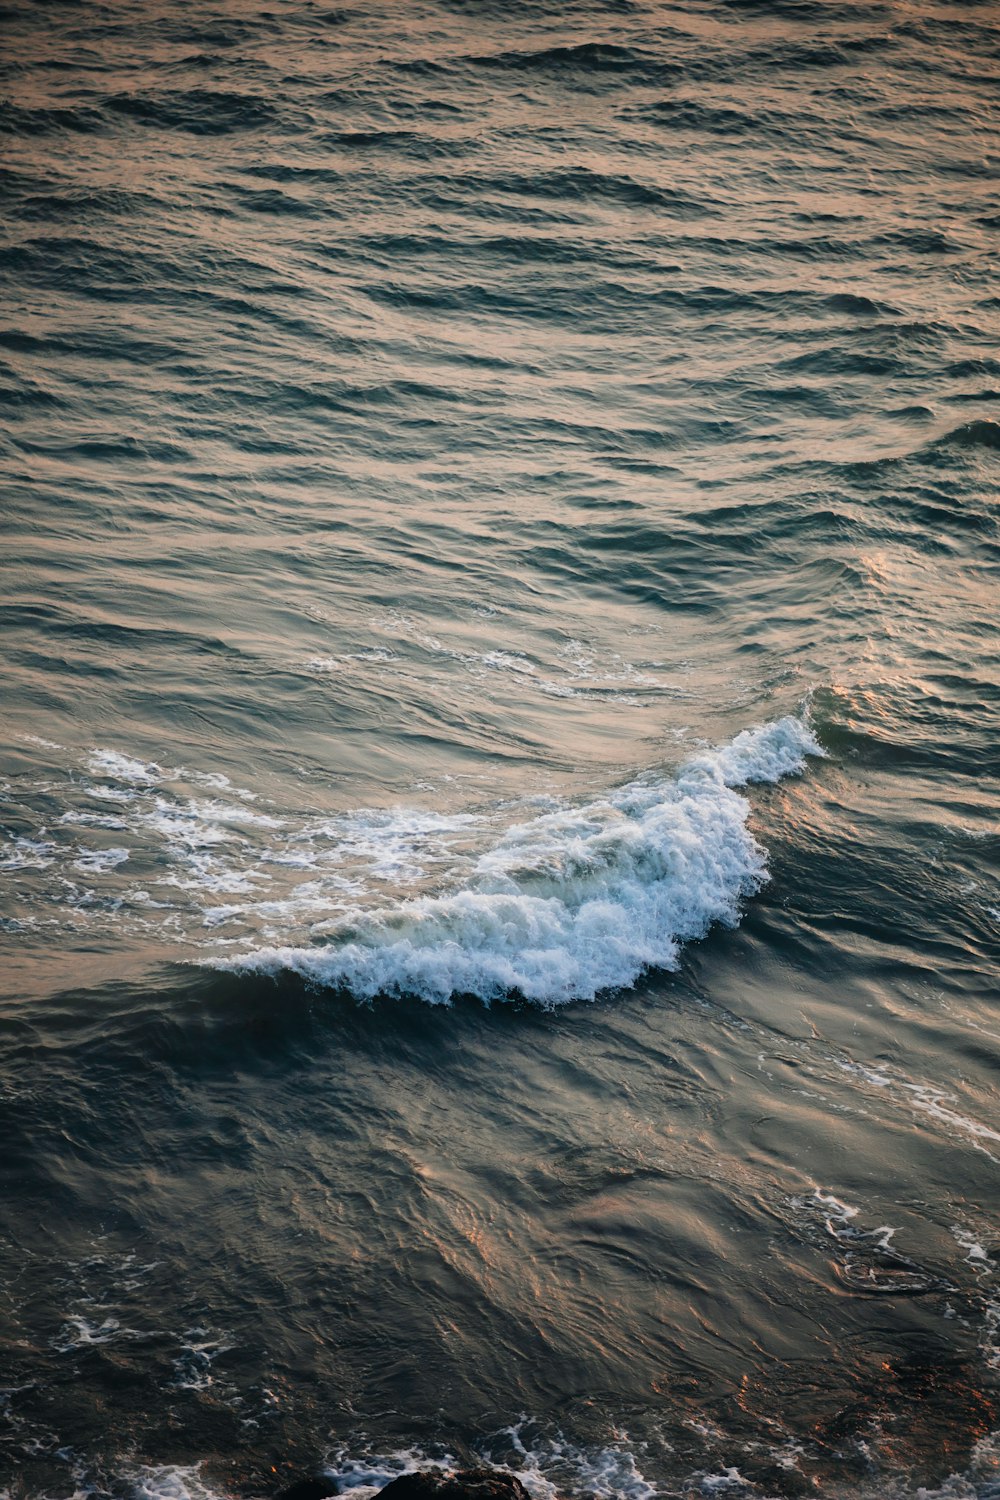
<point x="573" y="902"/>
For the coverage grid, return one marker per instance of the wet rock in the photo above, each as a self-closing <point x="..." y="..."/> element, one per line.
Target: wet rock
<point x="467" y="1484"/>
<point x="428" y="1484"/>
<point x="309" y="1489"/>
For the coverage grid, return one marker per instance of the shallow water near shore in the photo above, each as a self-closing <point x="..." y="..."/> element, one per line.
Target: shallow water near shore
<point x="499" y="853"/>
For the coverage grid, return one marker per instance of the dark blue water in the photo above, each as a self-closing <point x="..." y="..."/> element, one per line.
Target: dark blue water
<point x="500" y="685"/>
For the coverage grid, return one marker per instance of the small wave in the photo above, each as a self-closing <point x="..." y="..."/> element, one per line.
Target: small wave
<point x="194" y="111"/>
<point x="573" y="902"/>
<point x="980" y="434"/>
<point x="857" y="304"/>
<point x="25" y="120"/>
<point x="581" y="61"/>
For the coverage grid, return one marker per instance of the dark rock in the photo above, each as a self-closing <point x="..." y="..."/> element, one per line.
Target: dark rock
<point x="779" y="1479"/>
<point x="467" y="1484"/>
<point x="309" y="1489"/>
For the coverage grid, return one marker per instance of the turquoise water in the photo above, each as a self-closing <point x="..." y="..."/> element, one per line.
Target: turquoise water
<point x="498" y="860"/>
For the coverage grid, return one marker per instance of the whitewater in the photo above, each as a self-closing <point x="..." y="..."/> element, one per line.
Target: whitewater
<point x="573" y="902"/>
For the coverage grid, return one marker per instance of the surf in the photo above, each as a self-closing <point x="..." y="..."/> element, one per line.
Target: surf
<point x="574" y="902"/>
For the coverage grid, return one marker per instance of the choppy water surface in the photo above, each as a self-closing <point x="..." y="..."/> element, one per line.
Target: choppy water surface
<point x="499" y="845"/>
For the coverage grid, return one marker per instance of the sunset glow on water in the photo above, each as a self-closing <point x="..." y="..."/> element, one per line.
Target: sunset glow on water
<point x="499" y="851"/>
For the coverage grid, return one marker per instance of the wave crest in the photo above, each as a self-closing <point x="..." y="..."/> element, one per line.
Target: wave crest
<point x="573" y="902"/>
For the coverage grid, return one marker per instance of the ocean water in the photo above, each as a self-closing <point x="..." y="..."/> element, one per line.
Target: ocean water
<point x="499" y="889"/>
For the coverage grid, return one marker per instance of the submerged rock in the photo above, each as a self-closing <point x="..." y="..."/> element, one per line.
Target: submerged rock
<point x="428" y="1484"/>
<point x="467" y="1484"/>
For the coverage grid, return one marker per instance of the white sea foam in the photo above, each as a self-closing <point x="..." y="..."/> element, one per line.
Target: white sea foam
<point x="548" y="1467"/>
<point x="575" y="901"/>
<point x="37" y="739"/>
<point x="113" y="764"/>
<point x="551" y="1466"/>
<point x="585" y="670"/>
<point x="228" y="857"/>
<point x="193" y="1366"/>
<point x="216" y="782"/>
<point x="93" y="820"/>
<point x="363" y="1476"/>
<point x="27" y="854"/>
<point x="980" y="1481"/>
<point x="393" y="844"/>
<point x="171" y="1482"/>
<point x="729" y="1482"/>
<point x="929" y="1099"/>
<point x="96" y="861"/>
<point x="81" y="1333"/>
<point x="976" y="1253"/>
<point x="327" y="665"/>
